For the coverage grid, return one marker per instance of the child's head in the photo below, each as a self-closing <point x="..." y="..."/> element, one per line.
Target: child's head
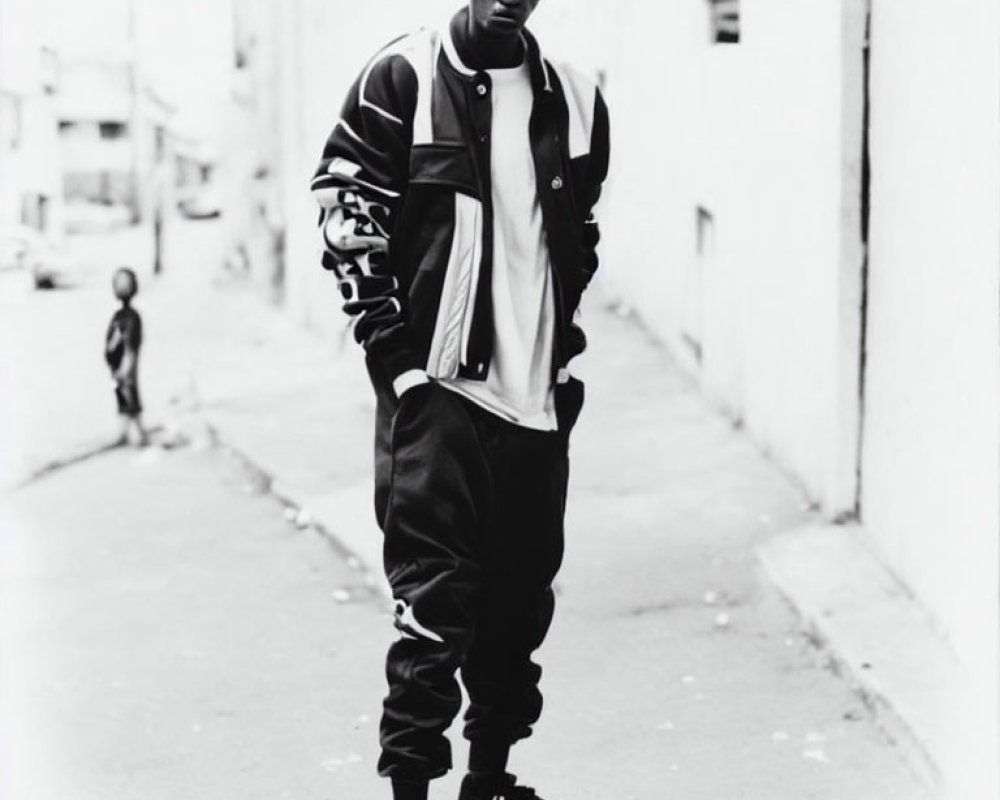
<point x="124" y="284"/>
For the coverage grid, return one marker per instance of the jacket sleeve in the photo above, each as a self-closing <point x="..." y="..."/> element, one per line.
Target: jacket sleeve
<point x="359" y="183"/>
<point x="597" y="172"/>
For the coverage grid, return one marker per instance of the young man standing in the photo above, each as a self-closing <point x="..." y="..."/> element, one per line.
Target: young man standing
<point x="457" y="192"/>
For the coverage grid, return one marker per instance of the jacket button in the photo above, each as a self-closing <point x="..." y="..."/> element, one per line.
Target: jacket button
<point x="481" y="89"/>
<point x="557" y="183"/>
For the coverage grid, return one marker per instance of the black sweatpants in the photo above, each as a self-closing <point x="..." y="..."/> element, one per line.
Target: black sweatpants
<point x="127" y="397"/>
<point x="472" y="511"/>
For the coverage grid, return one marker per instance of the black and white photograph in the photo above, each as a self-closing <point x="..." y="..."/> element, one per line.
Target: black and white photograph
<point x="499" y="400"/>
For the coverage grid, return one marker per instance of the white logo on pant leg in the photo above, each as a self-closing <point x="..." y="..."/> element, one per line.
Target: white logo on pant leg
<point x="406" y="623"/>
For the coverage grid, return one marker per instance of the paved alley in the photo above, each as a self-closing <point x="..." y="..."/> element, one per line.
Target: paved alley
<point x="163" y="601"/>
<point x="167" y="633"/>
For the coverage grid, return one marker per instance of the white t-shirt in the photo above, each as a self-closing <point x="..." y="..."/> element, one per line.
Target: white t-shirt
<point x="519" y="386"/>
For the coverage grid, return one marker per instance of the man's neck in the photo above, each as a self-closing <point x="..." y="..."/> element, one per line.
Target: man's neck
<point x="478" y="51"/>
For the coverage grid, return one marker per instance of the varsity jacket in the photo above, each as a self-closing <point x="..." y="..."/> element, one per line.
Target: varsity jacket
<point x="405" y="195"/>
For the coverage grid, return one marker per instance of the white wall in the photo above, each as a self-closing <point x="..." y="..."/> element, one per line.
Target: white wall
<point x="752" y="133"/>
<point x="931" y="445"/>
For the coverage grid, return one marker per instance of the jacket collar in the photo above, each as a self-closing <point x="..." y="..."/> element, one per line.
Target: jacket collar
<point x="541" y="78"/>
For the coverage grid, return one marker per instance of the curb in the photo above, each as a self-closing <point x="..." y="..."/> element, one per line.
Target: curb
<point x="878" y="639"/>
<point x="299" y="509"/>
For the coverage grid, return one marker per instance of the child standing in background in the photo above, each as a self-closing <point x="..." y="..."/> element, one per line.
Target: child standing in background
<point x="121" y="352"/>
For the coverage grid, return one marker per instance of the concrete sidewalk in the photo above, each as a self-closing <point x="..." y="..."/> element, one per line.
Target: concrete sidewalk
<point x="672" y="662"/>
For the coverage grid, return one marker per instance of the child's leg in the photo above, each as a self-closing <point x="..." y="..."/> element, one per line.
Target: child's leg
<point x="124" y="424"/>
<point x="141" y="432"/>
<point x="121" y="400"/>
<point x="131" y="407"/>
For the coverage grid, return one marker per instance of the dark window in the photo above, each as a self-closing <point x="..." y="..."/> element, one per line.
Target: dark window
<point x="725" y="16"/>
<point x="113" y="130"/>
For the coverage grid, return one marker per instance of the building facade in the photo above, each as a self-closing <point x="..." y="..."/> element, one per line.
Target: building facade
<point x="30" y="180"/>
<point x="114" y="137"/>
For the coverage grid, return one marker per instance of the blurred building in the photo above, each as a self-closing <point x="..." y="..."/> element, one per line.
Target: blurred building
<point x="30" y="181"/>
<point x="196" y="163"/>
<point x="114" y="135"/>
<point x="135" y="122"/>
<point x="251" y="167"/>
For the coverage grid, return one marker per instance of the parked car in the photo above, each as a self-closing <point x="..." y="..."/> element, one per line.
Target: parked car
<point x="48" y="262"/>
<point x="52" y="264"/>
<point x="15" y="241"/>
<point x="204" y="202"/>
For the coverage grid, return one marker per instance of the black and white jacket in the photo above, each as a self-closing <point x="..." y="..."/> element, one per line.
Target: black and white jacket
<point x="405" y="196"/>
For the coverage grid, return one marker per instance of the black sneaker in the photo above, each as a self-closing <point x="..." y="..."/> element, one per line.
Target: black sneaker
<point x="487" y="787"/>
